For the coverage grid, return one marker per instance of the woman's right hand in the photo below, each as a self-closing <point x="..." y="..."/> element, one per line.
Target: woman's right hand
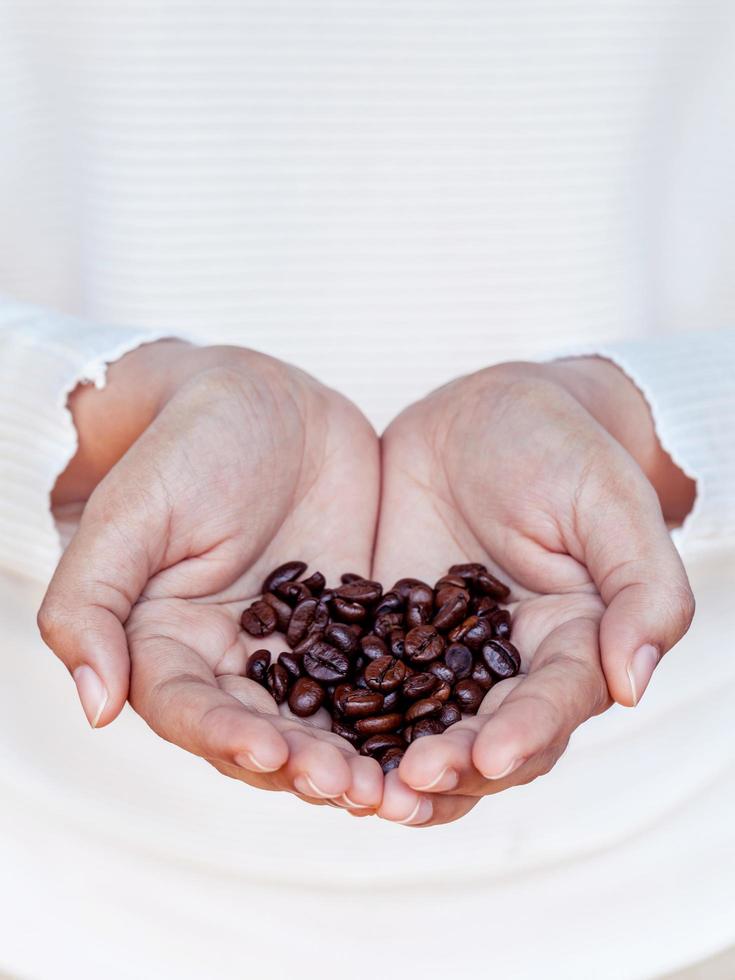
<point x="247" y="463"/>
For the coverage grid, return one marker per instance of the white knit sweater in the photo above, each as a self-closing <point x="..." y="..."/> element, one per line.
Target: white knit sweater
<point x="387" y="194"/>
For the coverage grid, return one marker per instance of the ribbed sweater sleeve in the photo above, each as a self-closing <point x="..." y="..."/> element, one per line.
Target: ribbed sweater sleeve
<point x="43" y="356"/>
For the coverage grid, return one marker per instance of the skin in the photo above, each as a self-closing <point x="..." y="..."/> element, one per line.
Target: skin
<point x="551" y="474"/>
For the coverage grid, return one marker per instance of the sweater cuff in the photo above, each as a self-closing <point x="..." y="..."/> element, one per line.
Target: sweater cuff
<point x="689" y="384"/>
<point x="43" y="357"/>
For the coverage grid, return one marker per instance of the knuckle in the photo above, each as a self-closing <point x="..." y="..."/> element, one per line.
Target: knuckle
<point x="50" y="622"/>
<point x="683" y="606"/>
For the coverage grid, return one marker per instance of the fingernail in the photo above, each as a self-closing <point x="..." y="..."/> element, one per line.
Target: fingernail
<point x="351" y="803"/>
<point x="640" y="670"/>
<point x="447" y="779"/>
<point x="307" y="787"/>
<point x="248" y="761"/>
<point x="92" y="693"/>
<point x="511" y="767"/>
<point x="420" y="814"/>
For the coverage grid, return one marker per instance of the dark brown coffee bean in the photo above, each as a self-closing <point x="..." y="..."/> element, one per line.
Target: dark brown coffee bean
<point x="340" y="635"/>
<point x="259" y="619"/>
<point x="407" y="734"/>
<point x="340" y="695"/>
<point x="419" y="686"/>
<point x="312" y="637"/>
<point x="385" y="674"/>
<point x="287" y="572"/>
<point x="344" y="731"/>
<point x="468" y="694"/>
<point x="390" y="759"/>
<point x="390" y="602"/>
<point x="443" y="692"/>
<point x="419" y="606"/>
<point x="386" y="622"/>
<point x="426" y="726"/>
<point x="501" y="624"/>
<point x="502" y="658"/>
<point x="347" y="610"/>
<point x="292" y="592"/>
<point x="348" y="577"/>
<point x="277" y="682"/>
<point x="483" y="606"/>
<point x="379" y="743"/>
<point x="468" y="571"/>
<point x="309" y="616"/>
<point x="257" y="665"/>
<point x="439" y="669"/>
<point x="315" y="583"/>
<point x="379" y="724"/>
<point x="458" y="657"/>
<point x="362" y="704"/>
<point x="487" y="584"/>
<point x="281" y="609"/>
<point x="325" y="663"/>
<point x="397" y="642"/>
<point x="306" y="697"/>
<point x="404" y="585"/>
<point x="423" y="709"/>
<point x="482" y="675"/>
<point x="450" y="714"/>
<point x="452" y="611"/>
<point x="392" y="700"/>
<point x="453" y="581"/>
<point x="361" y="590"/>
<point x="473" y="632"/>
<point x="293" y="663"/>
<point x="423" y="644"/>
<point x="373" y="647"/>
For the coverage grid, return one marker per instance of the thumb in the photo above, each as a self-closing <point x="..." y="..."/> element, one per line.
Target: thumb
<point x="100" y="576"/>
<point x="640" y="576"/>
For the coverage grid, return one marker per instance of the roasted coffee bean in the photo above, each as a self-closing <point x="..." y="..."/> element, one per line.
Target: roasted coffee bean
<point x="312" y="637"/>
<point x="473" y="632"/>
<point x="468" y="570"/>
<point x="426" y="726"/>
<point x="423" y="644"/>
<point x="392" y="700"/>
<point x="500" y="622"/>
<point x="459" y="658"/>
<point x="341" y="636"/>
<point x="404" y="585"/>
<point x="390" y="602"/>
<point x="386" y="622"/>
<point x="390" y="759"/>
<point x="487" y="584"/>
<point x="423" y="709"/>
<point x="419" y="606"/>
<point x="373" y="647"/>
<point x="379" y="724"/>
<point x="385" y="674"/>
<point x="293" y="663"/>
<point x="340" y="695"/>
<point x="502" y="658"/>
<point x="407" y="733"/>
<point x="308" y="616"/>
<point x="344" y="731"/>
<point x="277" y="682"/>
<point x="259" y="619"/>
<point x="379" y="743"/>
<point x="306" y="697"/>
<point x="281" y="609"/>
<point x="257" y="665"/>
<point x="452" y="611"/>
<point x="482" y="675"/>
<point x="347" y="577"/>
<point x="468" y="694"/>
<point x="362" y="704"/>
<point x="419" y="686"/>
<point x="443" y="692"/>
<point x="315" y="583"/>
<point x="397" y="642"/>
<point x="361" y="682"/>
<point x="439" y="669"/>
<point x="450" y="714"/>
<point x="453" y="581"/>
<point x="292" y="592"/>
<point x="287" y="572"/>
<point x="483" y="606"/>
<point x="361" y="590"/>
<point x="347" y="610"/>
<point x="325" y="663"/>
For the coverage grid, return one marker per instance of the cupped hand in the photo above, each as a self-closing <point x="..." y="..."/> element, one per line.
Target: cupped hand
<point x="246" y="463"/>
<point x="509" y="467"/>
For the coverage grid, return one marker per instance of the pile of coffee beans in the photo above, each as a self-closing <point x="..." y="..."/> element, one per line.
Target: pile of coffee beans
<point x="389" y="667"/>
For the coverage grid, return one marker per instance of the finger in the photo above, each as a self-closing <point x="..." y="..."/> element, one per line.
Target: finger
<point x="532" y="726"/>
<point x="316" y="768"/>
<point x="641" y="579"/>
<point x="365" y="791"/>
